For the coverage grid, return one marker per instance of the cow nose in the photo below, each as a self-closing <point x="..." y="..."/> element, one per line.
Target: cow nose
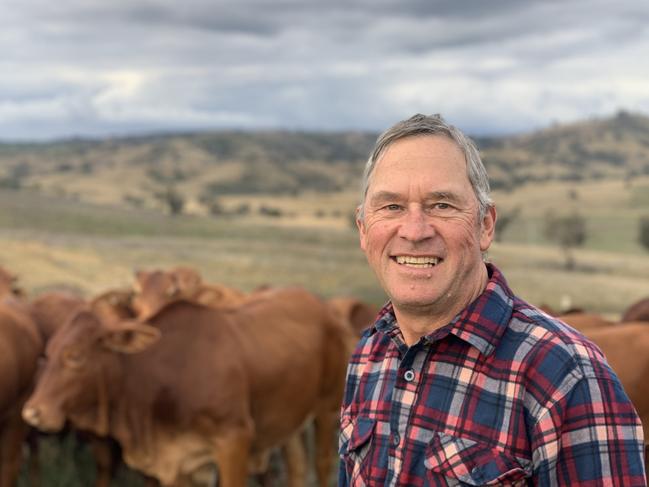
<point x="31" y="415"/>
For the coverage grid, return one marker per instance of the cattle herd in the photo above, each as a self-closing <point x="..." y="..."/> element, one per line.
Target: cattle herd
<point x="174" y="374"/>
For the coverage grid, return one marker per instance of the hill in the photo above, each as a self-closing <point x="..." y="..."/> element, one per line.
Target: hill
<point x="615" y="147"/>
<point x="209" y="172"/>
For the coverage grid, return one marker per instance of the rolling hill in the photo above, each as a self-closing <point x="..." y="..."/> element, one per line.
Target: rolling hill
<point x="202" y="169"/>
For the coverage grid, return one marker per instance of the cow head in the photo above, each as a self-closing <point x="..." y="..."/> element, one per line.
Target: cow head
<point x="82" y="370"/>
<point x="155" y="289"/>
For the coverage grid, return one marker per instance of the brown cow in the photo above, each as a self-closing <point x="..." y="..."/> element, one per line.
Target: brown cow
<point x="20" y="347"/>
<point x="155" y="289"/>
<point x="197" y="384"/>
<point x="51" y="311"/>
<point x="585" y="322"/>
<point x="358" y="314"/>
<point x="638" y="311"/>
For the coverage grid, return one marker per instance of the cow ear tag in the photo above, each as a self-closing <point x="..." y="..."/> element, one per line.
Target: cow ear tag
<point x="130" y="337"/>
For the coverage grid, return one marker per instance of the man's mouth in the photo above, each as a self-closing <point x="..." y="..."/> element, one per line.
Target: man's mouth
<point x="417" y="262"/>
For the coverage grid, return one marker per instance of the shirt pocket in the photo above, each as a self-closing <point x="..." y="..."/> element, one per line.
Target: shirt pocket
<point x="355" y="448"/>
<point x="466" y="462"/>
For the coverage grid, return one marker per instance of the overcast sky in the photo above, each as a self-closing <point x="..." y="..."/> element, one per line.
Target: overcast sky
<point x="113" y="67"/>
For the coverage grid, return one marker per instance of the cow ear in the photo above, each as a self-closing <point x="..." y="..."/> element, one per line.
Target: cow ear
<point x="130" y="337"/>
<point x="209" y="296"/>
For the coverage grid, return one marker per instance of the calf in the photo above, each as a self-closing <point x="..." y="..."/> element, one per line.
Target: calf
<point x="155" y="289"/>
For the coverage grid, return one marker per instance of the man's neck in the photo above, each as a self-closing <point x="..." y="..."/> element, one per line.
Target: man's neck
<point x="418" y="321"/>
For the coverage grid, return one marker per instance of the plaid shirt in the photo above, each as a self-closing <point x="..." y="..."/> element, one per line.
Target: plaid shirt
<point x="502" y="395"/>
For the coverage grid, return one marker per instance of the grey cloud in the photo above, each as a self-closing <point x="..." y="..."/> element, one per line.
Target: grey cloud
<point x="124" y="65"/>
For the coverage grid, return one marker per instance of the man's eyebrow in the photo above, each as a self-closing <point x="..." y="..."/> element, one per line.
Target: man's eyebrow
<point x="382" y="196"/>
<point x="443" y="195"/>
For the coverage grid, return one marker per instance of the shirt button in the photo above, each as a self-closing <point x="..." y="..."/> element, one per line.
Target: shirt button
<point x="395" y="439"/>
<point x="409" y="375"/>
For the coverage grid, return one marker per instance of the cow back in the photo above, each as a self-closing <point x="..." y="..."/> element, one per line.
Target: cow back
<point x="638" y="311"/>
<point x="52" y="310"/>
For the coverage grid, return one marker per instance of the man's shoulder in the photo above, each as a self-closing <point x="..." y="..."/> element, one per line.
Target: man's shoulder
<point x="550" y="340"/>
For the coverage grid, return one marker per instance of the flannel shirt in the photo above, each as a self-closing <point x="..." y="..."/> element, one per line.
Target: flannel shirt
<point x="502" y="395"/>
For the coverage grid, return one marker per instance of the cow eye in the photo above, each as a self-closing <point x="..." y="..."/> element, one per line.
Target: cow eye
<point x="73" y="359"/>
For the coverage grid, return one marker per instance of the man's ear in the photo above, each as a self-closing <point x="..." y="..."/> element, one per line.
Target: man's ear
<point x="488" y="228"/>
<point x="130" y="337"/>
<point x="360" y="224"/>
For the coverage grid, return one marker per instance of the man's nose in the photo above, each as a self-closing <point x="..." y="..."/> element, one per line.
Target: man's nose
<point x="416" y="226"/>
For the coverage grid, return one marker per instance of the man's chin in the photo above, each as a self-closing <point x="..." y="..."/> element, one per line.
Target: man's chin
<point x="415" y="304"/>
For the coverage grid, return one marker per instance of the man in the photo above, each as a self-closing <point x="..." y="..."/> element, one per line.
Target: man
<point x="459" y="382"/>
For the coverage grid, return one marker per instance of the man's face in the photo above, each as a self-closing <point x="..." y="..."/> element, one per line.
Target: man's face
<point x="421" y="231"/>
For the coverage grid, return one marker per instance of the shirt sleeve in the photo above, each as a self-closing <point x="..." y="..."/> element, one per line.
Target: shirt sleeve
<point x="589" y="435"/>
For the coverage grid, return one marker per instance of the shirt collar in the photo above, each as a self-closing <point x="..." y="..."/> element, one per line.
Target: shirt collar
<point x="481" y="324"/>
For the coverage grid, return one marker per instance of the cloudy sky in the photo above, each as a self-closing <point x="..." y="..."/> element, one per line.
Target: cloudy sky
<point x="112" y="67"/>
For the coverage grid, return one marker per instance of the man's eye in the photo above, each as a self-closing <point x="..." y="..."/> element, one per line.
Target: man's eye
<point x="392" y="207"/>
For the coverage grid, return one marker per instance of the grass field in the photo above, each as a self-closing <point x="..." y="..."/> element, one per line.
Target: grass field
<point x="52" y="243"/>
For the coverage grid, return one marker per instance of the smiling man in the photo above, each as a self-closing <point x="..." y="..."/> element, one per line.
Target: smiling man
<point x="459" y="382"/>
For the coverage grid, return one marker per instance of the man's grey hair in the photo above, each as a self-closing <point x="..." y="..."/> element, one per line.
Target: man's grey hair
<point x="422" y="125"/>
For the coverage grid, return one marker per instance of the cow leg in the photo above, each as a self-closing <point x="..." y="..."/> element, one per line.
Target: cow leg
<point x="12" y="435"/>
<point x="325" y="427"/>
<point x="232" y="451"/>
<point x="232" y="454"/>
<point x="296" y="463"/>
<point x="105" y="460"/>
<point x="259" y="467"/>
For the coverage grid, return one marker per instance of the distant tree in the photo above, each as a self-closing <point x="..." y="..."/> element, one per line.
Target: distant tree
<point x="241" y="209"/>
<point x="172" y="199"/>
<point x="569" y="231"/>
<point x="505" y="218"/>
<point x="215" y="208"/>
<point x="643" y="235"/>
<point x="16" y="176"/>
<point x="212" y="204"/>
<point x="270" y="211"/>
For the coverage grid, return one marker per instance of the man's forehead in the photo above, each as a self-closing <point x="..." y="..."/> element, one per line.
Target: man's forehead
<point x="386" y="194"/>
